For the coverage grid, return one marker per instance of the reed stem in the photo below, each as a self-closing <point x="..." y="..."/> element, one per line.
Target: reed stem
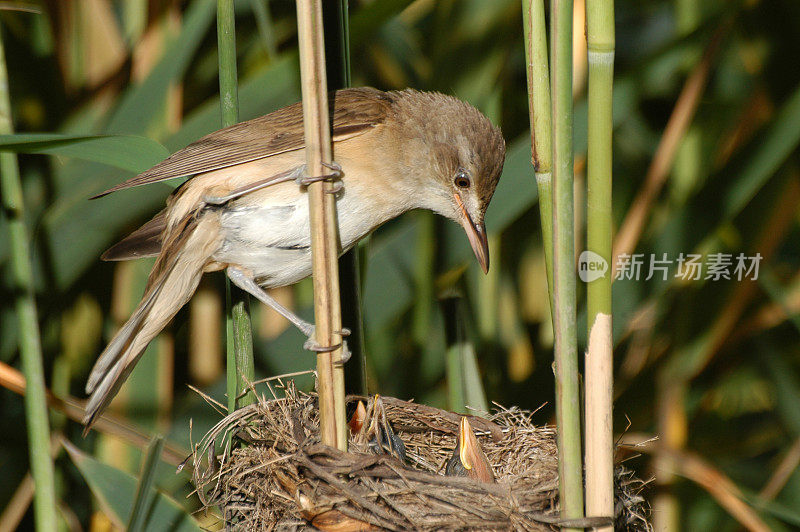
<point x="599" y="361"/>
<point x="324" y="237"/>
<point x="240" y="363"/>
<point x="30" y="348"/>
<point x="336" y="15"/>
<point x="568" y="412"/>
<point x="538" y="72"/>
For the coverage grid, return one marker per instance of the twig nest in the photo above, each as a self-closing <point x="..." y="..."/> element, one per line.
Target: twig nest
<point x="282" y="478"/>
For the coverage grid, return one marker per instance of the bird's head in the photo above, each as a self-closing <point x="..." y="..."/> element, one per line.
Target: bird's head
<point x="456" y="155"/>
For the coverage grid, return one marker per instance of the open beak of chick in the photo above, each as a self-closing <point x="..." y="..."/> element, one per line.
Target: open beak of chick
<point x="468" y="459"/>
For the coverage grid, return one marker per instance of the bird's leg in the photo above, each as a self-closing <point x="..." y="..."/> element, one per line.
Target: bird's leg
<point x="292" y="174"/>
<point x="249" y="285"/>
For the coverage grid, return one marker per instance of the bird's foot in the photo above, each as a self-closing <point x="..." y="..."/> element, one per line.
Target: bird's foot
<point x="311" y="344"/>
<point x="335" y="177"/>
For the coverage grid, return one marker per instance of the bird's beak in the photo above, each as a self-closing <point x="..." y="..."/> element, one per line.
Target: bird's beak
<point x="466" y="442"/>
<point x="476" y="233"/>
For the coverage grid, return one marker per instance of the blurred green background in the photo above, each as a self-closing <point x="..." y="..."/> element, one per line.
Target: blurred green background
<point x="710" y="367"/>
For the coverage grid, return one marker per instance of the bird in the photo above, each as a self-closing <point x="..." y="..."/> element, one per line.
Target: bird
<point x="468" y="458"/>
<point x="244" y="207"/>
<point x="371" y="425"/>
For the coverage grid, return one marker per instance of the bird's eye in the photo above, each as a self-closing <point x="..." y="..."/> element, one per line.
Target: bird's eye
<point x="462" y="179"/>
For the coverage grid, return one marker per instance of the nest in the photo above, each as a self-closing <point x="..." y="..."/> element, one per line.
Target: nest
<point x="283" y="478"/>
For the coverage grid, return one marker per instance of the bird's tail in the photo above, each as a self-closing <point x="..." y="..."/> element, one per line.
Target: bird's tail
<point x="172" y="282"/>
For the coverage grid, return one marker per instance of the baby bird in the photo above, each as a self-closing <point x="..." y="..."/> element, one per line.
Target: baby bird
<point x="468" y="459"/>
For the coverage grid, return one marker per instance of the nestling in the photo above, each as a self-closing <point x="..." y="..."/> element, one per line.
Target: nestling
<point x="245" y="208"/>
<point x="468" y="458"/>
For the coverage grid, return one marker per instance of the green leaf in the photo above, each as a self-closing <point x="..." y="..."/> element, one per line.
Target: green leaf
<point x="128" y="152"/>
<point x="143" y="103"/>
<point x="116" y="491"/>
<point x="142" y="505"/>
<point x="779" y="141"/>
<point x="465" y="388"/>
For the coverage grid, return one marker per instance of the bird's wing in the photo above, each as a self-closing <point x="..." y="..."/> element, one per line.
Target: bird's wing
<point x="355" y="112"/>
<point x="144" y="242"/>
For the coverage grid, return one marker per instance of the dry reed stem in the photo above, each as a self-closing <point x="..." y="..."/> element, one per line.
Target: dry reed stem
<point x="323" y="219"/>
<point x="18" y="505"/>
<point x="722" y="488"/>
<point x="786" y="468"/>
<point x="771" y="314"/>
<point x="107" y="423"/>
<point x="698" y="470"/>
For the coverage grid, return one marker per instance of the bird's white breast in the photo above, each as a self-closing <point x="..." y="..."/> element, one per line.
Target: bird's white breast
<point x="271" y="237"/>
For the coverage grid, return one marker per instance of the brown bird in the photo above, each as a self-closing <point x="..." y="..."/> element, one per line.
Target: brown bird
<point x="245" y="208"/>
<point x="468" y="459"/>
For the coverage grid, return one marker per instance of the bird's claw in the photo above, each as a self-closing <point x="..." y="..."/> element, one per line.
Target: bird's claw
<point x="335" y="177"/>
<point x="312" y="345"/>
<point x="336" y="169"/>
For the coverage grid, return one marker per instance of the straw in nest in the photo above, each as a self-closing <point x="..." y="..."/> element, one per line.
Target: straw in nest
<point x="283" y="478"/>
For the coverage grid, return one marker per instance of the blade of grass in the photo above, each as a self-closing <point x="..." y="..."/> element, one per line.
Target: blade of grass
<point x="240" y="364"/>
<point x="266" y="28"/>
<point x="568" y="414"/>
<point x="141" y="503"/>
<point x="142" y="103"/>
<point x="128" y="152"/>
<point x="465" y="389"/>
<point x="30" y="348"/>
<point x="115" y="490"/>
<point x="599" y="361"/>
<point x="324" y="238"/>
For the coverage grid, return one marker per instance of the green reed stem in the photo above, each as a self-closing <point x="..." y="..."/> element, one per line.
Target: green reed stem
<point x="599" y="377"/>
<point x="568" y="410"/>
<point x="44" y="502"/>
<point x="240" y="364"/>
<point x="539" y="103"/>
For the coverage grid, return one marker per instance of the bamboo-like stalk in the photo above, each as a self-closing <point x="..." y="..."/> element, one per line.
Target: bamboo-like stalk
<point x="568" y="411"/>
<point x="539" y="103"/>
<point x="599" y="365"/>
<point x="240" y="365"/>
<point x="324" y="238"/>
<point x="44" y="503"/>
